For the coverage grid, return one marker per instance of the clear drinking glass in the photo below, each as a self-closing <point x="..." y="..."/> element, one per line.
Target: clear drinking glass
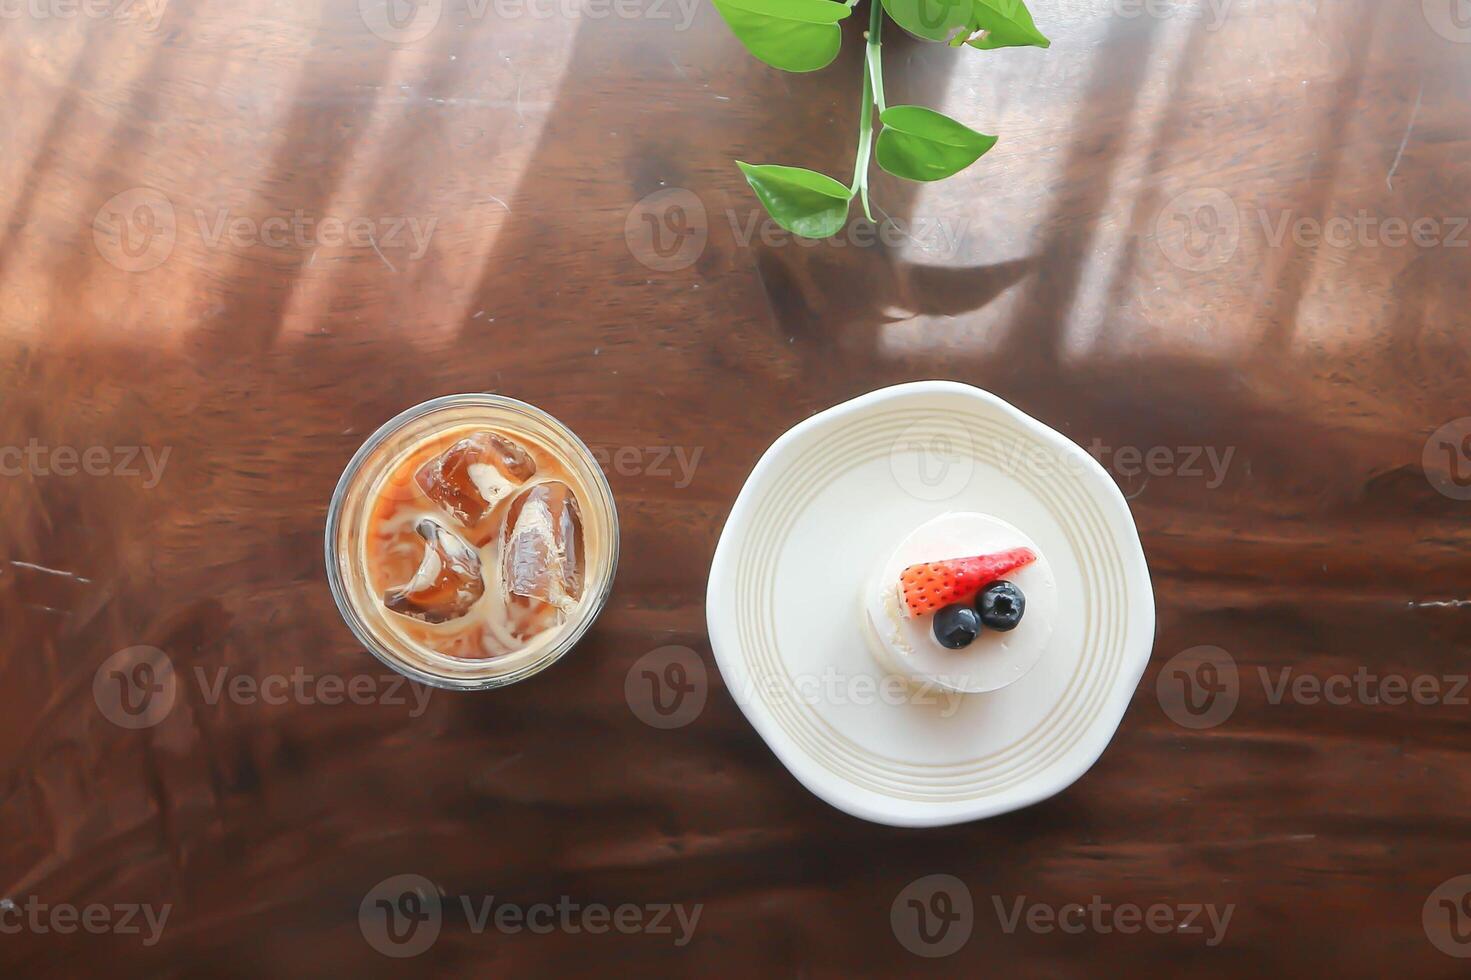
<point x="364" y="481"/>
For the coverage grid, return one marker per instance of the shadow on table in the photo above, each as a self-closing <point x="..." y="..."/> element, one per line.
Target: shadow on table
<point x="840" y="291"/>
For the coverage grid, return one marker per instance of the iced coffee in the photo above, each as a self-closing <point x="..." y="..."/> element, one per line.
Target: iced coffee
<point x="477" y="546"/>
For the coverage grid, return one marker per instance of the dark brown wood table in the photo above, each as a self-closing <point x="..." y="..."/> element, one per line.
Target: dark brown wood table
<point x="1223" y="245"/>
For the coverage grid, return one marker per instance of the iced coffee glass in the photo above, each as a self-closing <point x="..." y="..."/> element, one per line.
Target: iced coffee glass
<point x="471" y="541"/>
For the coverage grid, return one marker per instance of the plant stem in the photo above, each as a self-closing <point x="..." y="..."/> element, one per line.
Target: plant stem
<point x="865" y="147"/>
<point x="876" y="62"/>
<point x="872" y="91"/>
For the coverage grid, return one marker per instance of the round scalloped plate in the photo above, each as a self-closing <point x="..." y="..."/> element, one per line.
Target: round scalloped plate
<point x="824" y="506"/>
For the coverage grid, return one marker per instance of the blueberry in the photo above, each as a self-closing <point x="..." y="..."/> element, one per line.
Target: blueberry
<point x="1001" y="605"/>
<point x="956" y="626"/>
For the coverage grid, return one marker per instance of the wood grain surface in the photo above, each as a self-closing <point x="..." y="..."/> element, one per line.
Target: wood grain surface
<point x="237" y="237"/>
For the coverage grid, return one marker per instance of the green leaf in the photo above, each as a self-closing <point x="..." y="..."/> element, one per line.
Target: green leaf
<point x="1008" y="21"/>
<point x="793" y="35"/>
<point x="921" y="144"/>
<point x="1009" y="24"/>
<point x="804" y="202"/>
<point x="933" y="20"/>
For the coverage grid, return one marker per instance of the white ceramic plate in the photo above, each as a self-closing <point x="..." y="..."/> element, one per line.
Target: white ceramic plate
<point x="824" y="506"/>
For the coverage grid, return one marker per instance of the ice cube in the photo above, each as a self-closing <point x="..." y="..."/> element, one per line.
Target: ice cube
<point x="541" y="551"/>
<point x="448" y="581"/>
<point x="468" y="479"/>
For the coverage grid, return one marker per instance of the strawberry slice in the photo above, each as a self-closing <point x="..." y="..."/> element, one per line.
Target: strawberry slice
<point x="933" y="585"/>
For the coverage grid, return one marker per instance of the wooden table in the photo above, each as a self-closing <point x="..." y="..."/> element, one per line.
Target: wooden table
<point x="239" y="236"/>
